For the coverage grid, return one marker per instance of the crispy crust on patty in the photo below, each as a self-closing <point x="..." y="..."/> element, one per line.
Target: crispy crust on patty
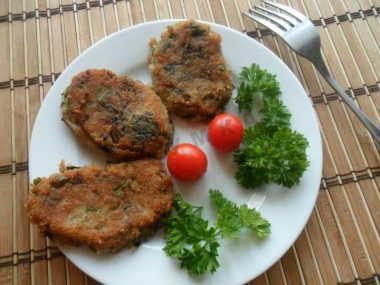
<point x="189" y="72"/>
<point x="117" y="114"/>
<point x="106" y="209"/>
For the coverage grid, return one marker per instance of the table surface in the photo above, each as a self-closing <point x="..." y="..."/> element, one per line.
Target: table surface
<point x="340" y="243"/>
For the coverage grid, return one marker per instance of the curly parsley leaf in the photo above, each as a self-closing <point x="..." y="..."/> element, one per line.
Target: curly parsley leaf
<point x="190" y="239"/>
<point x="256" y="84"/>
<point x="268" y="156"/>
<point x="271" y="151"/>
<point x="275" y="114"/>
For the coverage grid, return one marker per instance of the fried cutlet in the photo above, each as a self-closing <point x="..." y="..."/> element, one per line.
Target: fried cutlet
<point x="189" y="71"/>
<point x="117" y="114"/>
<point x="107" y="209"/>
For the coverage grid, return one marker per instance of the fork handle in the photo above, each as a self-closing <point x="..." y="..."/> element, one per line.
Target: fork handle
<point x="368" y="123"/>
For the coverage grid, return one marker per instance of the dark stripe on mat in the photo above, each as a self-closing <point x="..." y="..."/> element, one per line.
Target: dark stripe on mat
<point x="319" y="99"/>
<point x="41" y="255"/>
<point x="54" y="11"/>
<point x="364" y="90"/>
<point x="26" y="82"/>
<point x="353" y="176"/>
<point x="29" y="257"/>
<point x="327" y="182"/>
<point x="326" y="21"/>
<point x="92" y="4"/>
<point x="373" y="280"/>
<point x="20" y="166"/>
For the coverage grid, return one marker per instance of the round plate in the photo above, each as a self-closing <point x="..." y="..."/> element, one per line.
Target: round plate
<point x="241" y="259"/>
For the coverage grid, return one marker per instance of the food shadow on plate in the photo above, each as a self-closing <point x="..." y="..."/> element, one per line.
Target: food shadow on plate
<point x="85" y="155"/>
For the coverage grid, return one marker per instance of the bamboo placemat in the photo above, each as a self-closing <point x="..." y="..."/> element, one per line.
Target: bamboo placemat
<point x="340" y="244"/>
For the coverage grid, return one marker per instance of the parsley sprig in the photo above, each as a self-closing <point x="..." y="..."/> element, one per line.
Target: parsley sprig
<point x="232" y="218"/>
<point x="271" y="156"/>
<point x="191" y="240"/>
<point x="256" y="85"/>
<point x="271" y="151"/>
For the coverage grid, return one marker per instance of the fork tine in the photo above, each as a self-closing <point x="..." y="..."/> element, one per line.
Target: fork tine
<point x="265" y="23"/>
<point x="287" y="18"/>
<point x="287" y="9"/>
<point x="276" y="20"/>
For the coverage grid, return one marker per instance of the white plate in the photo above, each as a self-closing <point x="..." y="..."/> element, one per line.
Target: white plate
<point x="241" y="259"/>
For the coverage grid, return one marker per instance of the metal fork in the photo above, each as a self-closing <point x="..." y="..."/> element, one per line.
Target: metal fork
<point x="302" y="37"/>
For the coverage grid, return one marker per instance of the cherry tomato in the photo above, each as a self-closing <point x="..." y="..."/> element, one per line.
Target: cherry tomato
<point x="187" y="162"/>
<point x="225" y="132"/>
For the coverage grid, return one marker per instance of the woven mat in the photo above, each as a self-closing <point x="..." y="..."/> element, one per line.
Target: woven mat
<point x="340" y="244"/>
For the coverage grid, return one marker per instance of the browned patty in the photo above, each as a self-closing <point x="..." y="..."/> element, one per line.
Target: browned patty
<point x="189" y="72"/>
<point x="117" y="114"/>
<point x="106" y="209"/>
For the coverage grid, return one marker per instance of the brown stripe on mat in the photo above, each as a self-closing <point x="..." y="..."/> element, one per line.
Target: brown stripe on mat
<point x="328" y="21"/>
<point x="30" y="256"/>
<point x="92" y="4"/>
<point x="357" y="92"/>
<point x="345" y="17"/>
<point x="319" y="99"/>
<point x="105" y="2"/>
<point x="50" y="253"/>
<point x="4" y="18"/>
<point x="52" y="12"/>
<point x="67" y="8"/>
<point x="81" y="6"/>
<point x="338" y="179"/>
<point x="5" y="85"/>
<point x="325" y="21"/>
<point x="373" y="280"/>
<point x="29" y="81"/>
<point x="20" y="166"/>
<point x="353" y="176"/>
<point x="5" y="169"/>
<point x="16" y="17"/>
<point x="41" y="255"/>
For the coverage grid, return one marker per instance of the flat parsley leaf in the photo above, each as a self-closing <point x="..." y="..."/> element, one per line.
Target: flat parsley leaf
<point x="232" y="218"/>
<point x="228" y="220"/>
<point x="252" y="219"/>
<point x="190" y="239"/>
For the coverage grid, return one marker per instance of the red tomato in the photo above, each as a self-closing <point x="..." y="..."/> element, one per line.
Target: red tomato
<point x="187" y="162"/>
<point x="225" y="132"/>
